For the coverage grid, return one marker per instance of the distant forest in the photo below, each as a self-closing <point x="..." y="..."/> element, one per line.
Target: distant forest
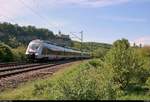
<point x="15" y="35"/>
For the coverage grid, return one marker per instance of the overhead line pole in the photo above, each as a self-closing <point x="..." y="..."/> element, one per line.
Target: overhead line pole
<point x="81" y="39"/>
<point x="81" y="43"/>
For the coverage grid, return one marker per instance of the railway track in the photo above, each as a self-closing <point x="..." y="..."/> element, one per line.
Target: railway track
<point x="9" y="70"/>
<point x="13" y="76"/>
<point x="11" y="64"/>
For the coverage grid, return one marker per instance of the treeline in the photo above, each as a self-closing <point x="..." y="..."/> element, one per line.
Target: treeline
<point x="96" y="50"/>
<point x="15" y="35"/>
<point x="7" y="54"/>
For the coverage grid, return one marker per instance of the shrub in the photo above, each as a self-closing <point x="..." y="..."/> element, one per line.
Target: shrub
<point x="126" y="63"/>
<point x="100" y="52"/>
<point x="96" y="63"/>
<point x="41" y="88"/>
<point x="89" y="84"/>
<point x="19" y="53"/>
<point x="5" y="53"/>
<point x="145" y="51"/>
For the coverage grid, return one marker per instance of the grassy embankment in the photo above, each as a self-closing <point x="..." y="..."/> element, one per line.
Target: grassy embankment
<point x="86" y="81"/>
<point x="27" y="90"/>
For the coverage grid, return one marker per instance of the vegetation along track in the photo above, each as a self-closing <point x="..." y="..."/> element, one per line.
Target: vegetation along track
<point x="13" y="70"/>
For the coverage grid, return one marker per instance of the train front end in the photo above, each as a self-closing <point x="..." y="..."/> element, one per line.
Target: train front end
<point x="33" y="51"/>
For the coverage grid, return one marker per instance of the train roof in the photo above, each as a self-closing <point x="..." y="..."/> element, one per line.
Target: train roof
<point x="56" y="47"/>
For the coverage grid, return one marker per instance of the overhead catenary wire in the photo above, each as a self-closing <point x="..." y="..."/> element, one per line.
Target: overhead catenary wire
<point x="75" y="36"/>
<point x="8" y="17"/>
<point x="37" y="14"/>
<point x="4" y="16"/>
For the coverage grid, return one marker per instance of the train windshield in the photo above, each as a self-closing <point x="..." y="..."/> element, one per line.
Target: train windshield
<point x="34" y="46"/>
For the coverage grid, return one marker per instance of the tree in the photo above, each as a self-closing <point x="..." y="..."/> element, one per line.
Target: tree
<point x="13" y="42"/>
<point x="134" y="45"/>
<point x="100" y="52"/>
<point x="5" y="53"/>
<point x="15" y="35"/>
<point x="19" y="53"/>
<point x="126" y="63"/>
<point x="140" y="45"/>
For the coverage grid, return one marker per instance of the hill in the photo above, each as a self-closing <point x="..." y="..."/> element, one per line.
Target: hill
<point x="15" y="35"/>
<point x="95" y="49"/>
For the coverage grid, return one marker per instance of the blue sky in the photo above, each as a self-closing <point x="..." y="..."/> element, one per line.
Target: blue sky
<point x="101" y="20"/>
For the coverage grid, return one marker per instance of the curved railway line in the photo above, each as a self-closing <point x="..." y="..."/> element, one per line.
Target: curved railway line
<point x="4" y="72"/>
<point x="11" y="64"/>
<point x="10" y="69"/>
<point x="12" y="76"/>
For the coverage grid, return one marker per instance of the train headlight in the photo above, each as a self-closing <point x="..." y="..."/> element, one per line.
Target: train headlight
<point x="36" y="54"/>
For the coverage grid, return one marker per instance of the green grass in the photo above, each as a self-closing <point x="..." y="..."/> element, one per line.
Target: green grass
<point x="26" y="91"/>
<point x="88" y="81"/>
<point x="135" y="97"/>
<point x="136" y="92"/>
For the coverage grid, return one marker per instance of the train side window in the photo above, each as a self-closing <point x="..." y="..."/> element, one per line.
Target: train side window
<point x="54" y="53"/>
<point x="44" y="51"/>
<point x="47" y="51"/>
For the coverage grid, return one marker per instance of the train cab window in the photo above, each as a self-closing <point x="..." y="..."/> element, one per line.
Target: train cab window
<point x="34" y="46"/>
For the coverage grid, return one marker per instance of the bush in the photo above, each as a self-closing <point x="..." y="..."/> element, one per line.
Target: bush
<point x="145" y="51"/>
<point x="126" y="63"/>
<point x="100" y="52"/>
<point x="42" y="89"/>
<point x="96" y="63"/>
<point x="86" y="82"/>
<point x="19" y="54"/>
<point x="5" y="53"/>
<point x="90" y="84"/>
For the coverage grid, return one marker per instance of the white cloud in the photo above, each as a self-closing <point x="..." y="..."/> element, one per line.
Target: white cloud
<point x="85" y="3"/>
<point x="15" y="7"/>
<point x="15" y="10"/>
<point x="124" y="19"/>
<point x="11" y="10"/>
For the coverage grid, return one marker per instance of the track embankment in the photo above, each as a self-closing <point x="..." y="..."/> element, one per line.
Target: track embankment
<point x="11" y="77"/>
